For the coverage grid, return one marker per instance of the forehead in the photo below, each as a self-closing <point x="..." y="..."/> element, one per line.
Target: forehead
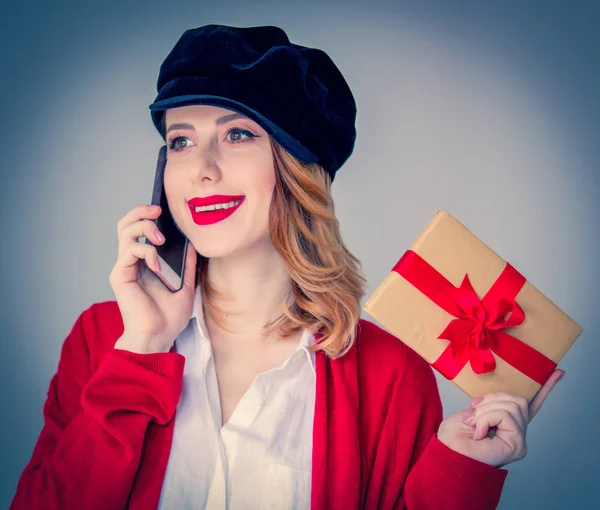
<point x="197" y="113"/>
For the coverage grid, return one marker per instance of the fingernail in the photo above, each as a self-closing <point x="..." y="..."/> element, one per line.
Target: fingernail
<point x="469" y="419"/>
<point x="159" y="236"/>
<point x="560" y="376"/>
<point x="476" y="401"/>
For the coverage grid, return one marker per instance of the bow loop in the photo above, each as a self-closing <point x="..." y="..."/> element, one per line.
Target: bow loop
<point x="470" y="336"/>
<point x="500" y="309"/>
<point x="468" y="301"/>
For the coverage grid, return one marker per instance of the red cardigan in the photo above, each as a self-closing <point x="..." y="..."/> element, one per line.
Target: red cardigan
<point x="109" y="416"/>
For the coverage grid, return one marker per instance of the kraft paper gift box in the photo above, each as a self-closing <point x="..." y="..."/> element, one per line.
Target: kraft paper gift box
<point x="472" y="315"/>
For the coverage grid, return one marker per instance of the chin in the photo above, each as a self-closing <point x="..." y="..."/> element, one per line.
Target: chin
<point x="216" y="248"/>
<point x="213" y="252"/>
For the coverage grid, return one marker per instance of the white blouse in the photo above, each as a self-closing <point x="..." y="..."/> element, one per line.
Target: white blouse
<point x="261" y="458"/>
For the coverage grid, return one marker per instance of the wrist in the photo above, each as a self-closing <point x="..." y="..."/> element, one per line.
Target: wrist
<point x="137" y="345"/>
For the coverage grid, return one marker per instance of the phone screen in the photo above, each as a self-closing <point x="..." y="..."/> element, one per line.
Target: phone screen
<point x="173" y="250"/>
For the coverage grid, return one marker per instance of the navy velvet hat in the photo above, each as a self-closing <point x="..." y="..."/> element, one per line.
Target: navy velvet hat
<point x="295" y="93"/>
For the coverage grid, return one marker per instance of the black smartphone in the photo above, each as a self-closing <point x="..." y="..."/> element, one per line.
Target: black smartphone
<point x="172" y="252"/>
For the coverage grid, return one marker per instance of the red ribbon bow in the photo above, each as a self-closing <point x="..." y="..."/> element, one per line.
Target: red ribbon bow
<point x="477" y="330"/>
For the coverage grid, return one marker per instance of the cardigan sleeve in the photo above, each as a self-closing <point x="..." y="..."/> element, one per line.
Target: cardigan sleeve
<point x="89" y="449"/>
<point x="440" y="478"/>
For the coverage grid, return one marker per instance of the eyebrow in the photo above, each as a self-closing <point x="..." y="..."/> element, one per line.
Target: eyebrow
<point x="218" y="122"/>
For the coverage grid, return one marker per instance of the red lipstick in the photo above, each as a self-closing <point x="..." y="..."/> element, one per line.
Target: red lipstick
<point x="214" y="215"/>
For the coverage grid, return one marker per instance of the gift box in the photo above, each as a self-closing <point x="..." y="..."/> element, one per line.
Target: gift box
<point x="472" y="315"/>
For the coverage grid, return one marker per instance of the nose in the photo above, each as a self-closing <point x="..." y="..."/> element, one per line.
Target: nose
<point x="206" y="168"/>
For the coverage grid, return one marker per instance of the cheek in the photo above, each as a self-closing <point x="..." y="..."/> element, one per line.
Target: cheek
<point x="264" y="181"/>
<point x="265" y="186"/>
<point x="172" y="189"/>
<point x="174" y="180"/>
<point x="168" y="179"/>
<point x="252" y="173"/>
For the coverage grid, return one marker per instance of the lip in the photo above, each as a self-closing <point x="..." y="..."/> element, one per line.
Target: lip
<point x="213" y="200"/>
<point x="210" y="217"/>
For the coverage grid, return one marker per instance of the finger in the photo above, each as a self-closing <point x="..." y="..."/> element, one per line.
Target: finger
<point x="468" y="417"/>
<point x="141" y="212"/>
<point x="543" y="392"/>
<point x="503" y="397"/>
<point x="519" y="414"/>
<point x="499" y="418"/>
<point x="142" y="228"/>
<point x="135" y="252"/>
<point x="500" y="428"/>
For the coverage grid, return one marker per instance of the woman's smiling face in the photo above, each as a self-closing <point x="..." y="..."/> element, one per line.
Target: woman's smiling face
<point x="217" y="156"/>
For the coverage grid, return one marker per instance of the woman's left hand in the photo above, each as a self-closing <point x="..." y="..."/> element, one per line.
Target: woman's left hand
<point x="495" y="434"/>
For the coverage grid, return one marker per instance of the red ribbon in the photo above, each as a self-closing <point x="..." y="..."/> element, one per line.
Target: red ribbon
<point x="477" y="330"/>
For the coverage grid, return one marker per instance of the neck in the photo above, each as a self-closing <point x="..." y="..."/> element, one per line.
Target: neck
<point x="254" y="285"/>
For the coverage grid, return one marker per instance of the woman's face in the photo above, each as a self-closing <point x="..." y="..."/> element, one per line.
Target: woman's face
<point x="219" y="178"/>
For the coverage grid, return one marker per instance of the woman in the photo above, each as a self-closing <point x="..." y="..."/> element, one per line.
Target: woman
<point x="257" y="385"/>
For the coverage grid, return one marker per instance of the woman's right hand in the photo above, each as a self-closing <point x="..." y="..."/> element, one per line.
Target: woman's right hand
<point x="153" y="316"/>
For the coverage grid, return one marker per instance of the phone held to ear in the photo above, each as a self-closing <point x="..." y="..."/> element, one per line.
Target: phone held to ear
<point x="171" y="254"/>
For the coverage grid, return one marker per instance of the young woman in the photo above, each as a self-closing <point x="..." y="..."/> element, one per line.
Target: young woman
<point x="257" y="385"/>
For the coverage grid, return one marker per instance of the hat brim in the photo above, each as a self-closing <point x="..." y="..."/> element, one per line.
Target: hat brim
<point x="288" y="142"/>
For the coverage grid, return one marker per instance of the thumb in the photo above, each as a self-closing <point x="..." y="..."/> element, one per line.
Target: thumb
<point x="189" y="278"/>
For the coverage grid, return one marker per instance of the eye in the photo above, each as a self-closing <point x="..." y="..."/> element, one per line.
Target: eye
<point x="237" y="135"/>
<point x="234" y="135"/>
<point x="173" y="143"/>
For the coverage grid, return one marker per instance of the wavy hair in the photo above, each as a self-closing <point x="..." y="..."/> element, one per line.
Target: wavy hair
<point x="327" y="283"/>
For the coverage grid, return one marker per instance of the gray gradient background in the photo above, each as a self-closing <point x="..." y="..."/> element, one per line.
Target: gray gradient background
<point x="488" y="110"/>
